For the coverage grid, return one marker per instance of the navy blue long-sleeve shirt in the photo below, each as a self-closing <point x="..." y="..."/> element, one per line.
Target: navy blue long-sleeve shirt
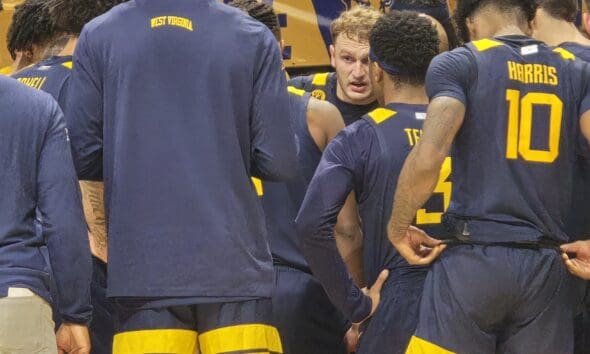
<point x="366" y="157"/>
<point x="177" y="104"/>
<point x="37" y="173"/>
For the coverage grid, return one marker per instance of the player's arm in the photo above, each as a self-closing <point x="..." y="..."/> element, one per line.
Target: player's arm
<point x="579" y="263"/>
<point x="325" y="122"/>
<point x="447" y="80"/>
<point x="64" y="228"/>
<point x="327" y="192"/>
<point x="273" y="153"/>
<point x="84" y="115"/>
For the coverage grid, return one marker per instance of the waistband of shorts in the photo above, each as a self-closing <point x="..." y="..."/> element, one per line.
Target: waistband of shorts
<point x="532" y="245"/>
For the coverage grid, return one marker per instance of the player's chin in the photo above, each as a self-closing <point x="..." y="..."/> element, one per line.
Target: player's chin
<point x="359" y="93"/>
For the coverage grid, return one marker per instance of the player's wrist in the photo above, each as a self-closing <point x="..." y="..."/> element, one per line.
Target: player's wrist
<point x="364" y="312"/>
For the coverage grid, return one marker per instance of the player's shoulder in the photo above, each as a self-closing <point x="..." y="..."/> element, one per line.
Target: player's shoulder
<point x="396" y="115"/>
<point x="317" y="79"/>
<point x="574" y="50"/>
<point x="28" y="101"/>
<point x="106" y="19"/>
<point x="52" y="66"/>
<point x="239" y="22"/>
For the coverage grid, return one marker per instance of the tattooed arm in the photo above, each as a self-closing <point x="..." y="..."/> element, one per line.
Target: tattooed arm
<point x="419" y="177"/>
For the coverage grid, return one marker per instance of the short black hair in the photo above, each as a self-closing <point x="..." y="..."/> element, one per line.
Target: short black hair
<point x="566" y="10"/>
<point x="437" y="9"/>
<point x="407" y="42"/>
<point x="524" y="9"/>
<point x="261" y="12"/>
<point x="71" y="15"/>
<point x="31" y="25"/>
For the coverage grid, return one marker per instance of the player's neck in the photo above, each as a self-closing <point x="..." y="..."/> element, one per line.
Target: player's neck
<point x="493" y="22"/>
<point x="405" y="94"/>
<point x="70" y="46"/>
<point x="556" y="32"/>
<point x="507" y="30"/>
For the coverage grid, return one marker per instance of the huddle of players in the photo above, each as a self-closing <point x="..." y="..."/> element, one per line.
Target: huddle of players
<point x="381" y="67"/>
<point x="502" y="280"/>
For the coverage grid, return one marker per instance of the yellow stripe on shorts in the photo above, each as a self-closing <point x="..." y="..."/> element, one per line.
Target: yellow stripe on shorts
<point x="250" y="338"/>
<point x="177" y="341"/>
<point x="421" y="346"/>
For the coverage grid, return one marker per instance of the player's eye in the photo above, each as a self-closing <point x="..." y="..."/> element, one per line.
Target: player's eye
<point x="348" y="59"/>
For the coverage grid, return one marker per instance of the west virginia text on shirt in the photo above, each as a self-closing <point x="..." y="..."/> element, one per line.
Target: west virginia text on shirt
<point x="171" y="21"/>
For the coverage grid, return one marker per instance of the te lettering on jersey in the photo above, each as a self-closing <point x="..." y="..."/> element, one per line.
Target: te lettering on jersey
<point x="34" y="82"/>
<point x="413" y="135"/>
<point x="176" y="21"/>
<point x="533" y="73"/>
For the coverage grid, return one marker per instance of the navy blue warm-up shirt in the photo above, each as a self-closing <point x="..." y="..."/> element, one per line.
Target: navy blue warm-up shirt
<point x="176" y="104"/>
<point x="514" y="156"/>
<point x="366" y="157"/>
<point x="37" y="173"/>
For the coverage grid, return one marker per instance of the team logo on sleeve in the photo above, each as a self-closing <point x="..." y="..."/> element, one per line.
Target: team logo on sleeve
<point x="319" y="94"/>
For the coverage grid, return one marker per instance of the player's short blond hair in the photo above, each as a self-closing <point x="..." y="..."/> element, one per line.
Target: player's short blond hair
<point x="355" y="23"/>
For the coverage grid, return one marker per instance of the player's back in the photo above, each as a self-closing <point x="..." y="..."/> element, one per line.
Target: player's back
<point x="513" y="156"/>
<point x="281" y="200"/>
<point x="389" y="135"/>
<point x="185" y="96"/>
<point x="578" y="222"/>
<point x="50" y="75"/>
<point x="26" y="118"/>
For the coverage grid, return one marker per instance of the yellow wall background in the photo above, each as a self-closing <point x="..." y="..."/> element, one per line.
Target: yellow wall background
<point x="5" y="17"/>
<point x="302" y="33"/>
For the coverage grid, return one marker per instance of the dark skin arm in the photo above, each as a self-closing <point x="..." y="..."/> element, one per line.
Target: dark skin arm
<point x="325" y="122"/>
<point x="419" y="177"/>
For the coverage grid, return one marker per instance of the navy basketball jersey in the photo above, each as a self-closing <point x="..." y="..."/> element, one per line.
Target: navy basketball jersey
<point x="323" y="87"/>
<point x="281" y="201"/>
<point x="50" y="75"/>
<point x="513" y="158"/>
<point x="396" y="129"/>
<point x="579" y="223"/>
<point x="367" y="158"/>
<point x="575" y="50"/>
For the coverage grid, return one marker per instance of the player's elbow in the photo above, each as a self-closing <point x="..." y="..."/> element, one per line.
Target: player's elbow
<point x="278" y="168"/>
<point x="427" y="159"/>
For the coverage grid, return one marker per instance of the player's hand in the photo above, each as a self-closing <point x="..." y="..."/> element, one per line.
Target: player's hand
<point x="73" y="338"/>
<point x="417" y="247"/>
<point x="351" y="339"/>
<point x="374" y="292"/>
<point x="580" y="265"/>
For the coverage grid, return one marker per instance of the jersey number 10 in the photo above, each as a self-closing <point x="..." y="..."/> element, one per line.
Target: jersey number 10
<point x="520" y="125"/>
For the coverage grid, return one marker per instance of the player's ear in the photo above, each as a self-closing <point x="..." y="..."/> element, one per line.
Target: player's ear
<point x="333" y="56"/>
<point x="586" y="22"/>
<point x="472" y="28"/>
<point x="376" y="72"/>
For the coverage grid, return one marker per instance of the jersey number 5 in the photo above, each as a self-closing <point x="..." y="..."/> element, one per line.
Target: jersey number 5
<point x="520" y="125"/>
<point x="444" y="187"/>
